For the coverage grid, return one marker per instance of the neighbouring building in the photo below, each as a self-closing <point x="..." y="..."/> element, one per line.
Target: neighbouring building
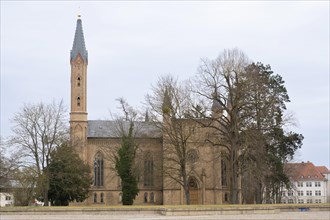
<point x="94" y="139"/>
<point x="6" y="192"/>
<point x="326" y="173"/>
<point x="309" y="183"/>
<point x="6" y="199"/>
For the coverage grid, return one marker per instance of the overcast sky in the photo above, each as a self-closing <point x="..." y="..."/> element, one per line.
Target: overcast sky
<point x="130" y="44"/>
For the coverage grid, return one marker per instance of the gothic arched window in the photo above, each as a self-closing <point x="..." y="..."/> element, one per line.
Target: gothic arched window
<point x="95" y="198"/>
<point x="120" y="198"/>
<point x="152" y="197"/>
<point x="148" y="170"/>
<point x="223" y="173"/>
<point x="98" y="170"/>
<point x="102" y="198"/>
<point x="145" y="198"/>
<point x="192" y="156"/>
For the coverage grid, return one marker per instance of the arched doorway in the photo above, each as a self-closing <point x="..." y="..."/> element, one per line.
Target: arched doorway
<point x="193" y="191"/>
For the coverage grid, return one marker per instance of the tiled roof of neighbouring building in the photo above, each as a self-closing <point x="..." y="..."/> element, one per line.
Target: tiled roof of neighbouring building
<point x="323" y="169"/>
<point x="303" y="171"/>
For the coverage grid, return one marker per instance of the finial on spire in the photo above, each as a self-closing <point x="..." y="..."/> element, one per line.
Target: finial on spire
<point x="79" y="14"/>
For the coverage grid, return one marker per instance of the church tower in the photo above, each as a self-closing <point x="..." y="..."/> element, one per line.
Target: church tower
<point x="78" y="113"/>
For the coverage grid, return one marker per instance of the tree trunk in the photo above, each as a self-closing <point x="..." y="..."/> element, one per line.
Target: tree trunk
<point x="46" y="188"/>
<point x="259" y="193"/>
<point x="187" y="195"/>
<point x="185" y="183"/>
<point x="233" y="181"/>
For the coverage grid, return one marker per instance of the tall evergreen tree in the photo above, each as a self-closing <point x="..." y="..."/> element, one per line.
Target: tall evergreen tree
<point x="69" y="177"/>
<point x="266" y="145"/>
<point x="124" y="166"/>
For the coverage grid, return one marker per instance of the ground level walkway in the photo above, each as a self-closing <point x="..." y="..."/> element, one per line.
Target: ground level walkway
<point x="320" y="215"/>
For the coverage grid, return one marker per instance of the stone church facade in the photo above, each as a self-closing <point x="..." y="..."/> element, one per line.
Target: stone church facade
<point x="95" y="141"/>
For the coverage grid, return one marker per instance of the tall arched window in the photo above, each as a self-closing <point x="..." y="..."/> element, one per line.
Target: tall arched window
<point x="102" y="198"/>
<point x="120" y="198"/>
<point x="145" y="198"/>
<point x="98" y="170"/>
<point x="148" y="170"/>
<point x="152" y="197"/>
<point x="95" y="198"/>
<point x="223" y="173"/>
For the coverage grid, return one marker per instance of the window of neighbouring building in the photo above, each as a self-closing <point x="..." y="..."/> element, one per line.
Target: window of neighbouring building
<point x="317" y="192"/>
<point x="309" y="200"/>
<point x="290" y="193"/>
<point x="308" y="192"/>
<point x="317" y="184"/>
<point x="300" y="193"/>
<point x="309" y="184"/>
<point x="290" y="201"/>
<point x="300" y="184"/>
<point x="317" y="200"/>
<point x="300" y="201"/>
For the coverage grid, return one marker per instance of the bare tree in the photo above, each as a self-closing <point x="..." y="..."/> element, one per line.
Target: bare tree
<point x="125" y="156"/>
<point x="9" y="164"/>
<point x="38" y="130"/>
<point x="250" y="102"/>
<point x="221" y="81"/>
<point x="169" y="106"/>
<point x="25" y="185"/>
<point x="121" y="123"/>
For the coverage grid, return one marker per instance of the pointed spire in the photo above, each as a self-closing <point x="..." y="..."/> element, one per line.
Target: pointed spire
<point x="216" y="105"/>
<point x="79" y="42"/>
<point x="147" y="116"/>
<point x="167" y="105"/>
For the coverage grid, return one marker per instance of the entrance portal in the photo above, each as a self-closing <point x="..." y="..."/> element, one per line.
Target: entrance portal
<point x="193" y="191"/>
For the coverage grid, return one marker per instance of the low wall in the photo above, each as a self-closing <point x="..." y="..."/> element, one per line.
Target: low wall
<point x="166" y="210"/>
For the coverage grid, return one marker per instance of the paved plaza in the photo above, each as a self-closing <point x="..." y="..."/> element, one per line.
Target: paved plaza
<point x="320" y="215"/>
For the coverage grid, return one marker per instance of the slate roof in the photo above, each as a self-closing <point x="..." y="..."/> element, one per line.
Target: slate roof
<point x="303" y="171"/>
<point x="79" y="43"/>
<point x="113" y="129"/>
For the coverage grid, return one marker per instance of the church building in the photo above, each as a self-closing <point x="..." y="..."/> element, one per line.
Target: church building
<point x="96" y="140"/>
